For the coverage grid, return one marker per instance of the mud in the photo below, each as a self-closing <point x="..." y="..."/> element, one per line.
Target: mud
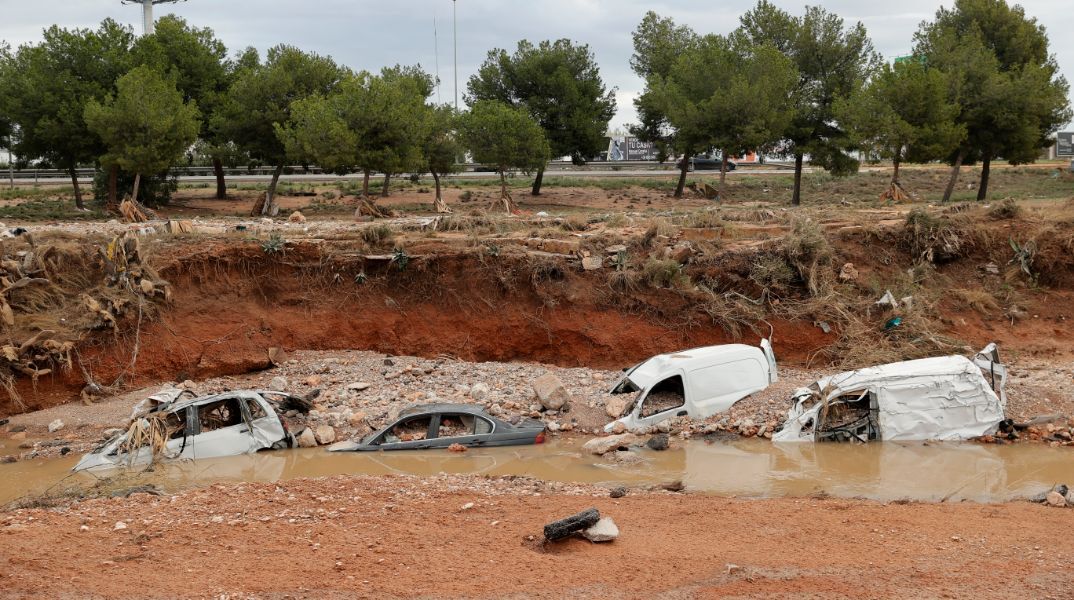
<point x="746" y="468"/>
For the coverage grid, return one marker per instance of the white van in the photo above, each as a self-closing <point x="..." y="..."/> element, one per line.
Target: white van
<point x="694" y="383"/>
<point x="943" y="398"/>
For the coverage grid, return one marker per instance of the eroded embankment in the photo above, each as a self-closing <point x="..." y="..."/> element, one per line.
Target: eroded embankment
<point x="231" y="301"/>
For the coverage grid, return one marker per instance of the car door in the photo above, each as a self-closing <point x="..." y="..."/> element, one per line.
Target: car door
<point x="223" y="428"/>
<point x="265" y="425"/>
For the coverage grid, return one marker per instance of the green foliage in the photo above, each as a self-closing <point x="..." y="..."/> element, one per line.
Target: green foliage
<point x="44" y="88"/>
<point x="833" y="62"/>
<point x="904" y="113"/>
<point x="664" y="273"/>
<point x="146" y="126"/>
<point x="48" y="210"/>
<point x="504" y="137"/>
<point x="274" y="245"/>
<point x="658" y="45"/>
<point x="262" y="94"/>
<point x="440" y="145"/>
<point x="559" y="84"/>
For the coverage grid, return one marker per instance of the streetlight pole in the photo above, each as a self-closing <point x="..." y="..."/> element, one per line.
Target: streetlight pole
<point x="455" y="37"/>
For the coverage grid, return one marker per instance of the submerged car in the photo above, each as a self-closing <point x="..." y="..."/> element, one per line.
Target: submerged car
<point x="442" y="425"/>
<point x="944" y="398"/>
<point x="228" y="424"/>
<point x="695" y="383"/>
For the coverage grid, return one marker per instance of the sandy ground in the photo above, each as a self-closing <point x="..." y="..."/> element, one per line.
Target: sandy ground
<point x="452" y="537"/>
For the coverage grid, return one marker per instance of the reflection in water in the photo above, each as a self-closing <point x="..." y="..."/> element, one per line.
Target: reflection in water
<point x="883" y="471"/>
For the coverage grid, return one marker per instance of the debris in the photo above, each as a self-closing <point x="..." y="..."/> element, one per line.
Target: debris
<point x="658" y="442"/>
<point x="888" y="300"/>
<point x="55" y="426"/>
<point x="132" y="212"/>
<point x="616" y="405"/>
<point x="895" y="193"/>
<point x="848" y="273"/>
<point x="119" y="526"/>
<point x="604" y="445"/>
<point x="467" y="506"/>
<point x="990" y="268"/>
<point x="672" y="486"/>
<point x="564" y="528"/>
<point x="892" y="323"/>
<point x="705" y="190"/>
<point x="604" y="530"/>
<point x="733" y="569"/>
<point x="457" y="448"/>
<point x="179" y="226"/>
<point x="551" y="392"/>
<point x="1056" y="499"/>
<point x="618" y="492"/>
<point x="823" y="326"/>
<point x="297" y="217"/>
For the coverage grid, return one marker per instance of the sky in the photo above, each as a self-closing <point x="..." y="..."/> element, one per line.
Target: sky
<point x="369" y="35"/>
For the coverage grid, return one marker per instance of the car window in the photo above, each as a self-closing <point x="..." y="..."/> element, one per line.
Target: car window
<point x="409" y="430"/>
<point x="666" y="395"/>
<point x="459" y="425"/>
<point x="176" y="423"/>
<point x="220" y="414"/>
<point x="256" y="410"/>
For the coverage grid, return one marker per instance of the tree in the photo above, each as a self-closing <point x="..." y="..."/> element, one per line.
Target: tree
<point x="904" y="114"/>
<point x="506" y="138"/>
<point x="367" y="123"/>
<point x="750" y="101"/>
<point x="202" y="71"/>
<point x="440" y="147"/>
<point x="658" y="45"/>
<point x="47" y="86"/>
<point x="1000" y="73"/>
<point x="261" y="97"/>
<point x="559" y="84"/>
<point x="833" y="62"/>
<point x="146" y="126"/>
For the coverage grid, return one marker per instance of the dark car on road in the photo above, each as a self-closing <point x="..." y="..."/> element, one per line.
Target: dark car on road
<point x="442" y="425"/>
<point x="704" y="162"/>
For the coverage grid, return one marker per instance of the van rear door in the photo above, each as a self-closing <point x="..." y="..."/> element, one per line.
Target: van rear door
<point x="770" y="355"/>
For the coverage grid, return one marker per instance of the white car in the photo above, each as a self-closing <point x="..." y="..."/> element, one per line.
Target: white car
<point x="943" y="398"/>
<point x="695" y="383"/>
<point x="228" y="424"/>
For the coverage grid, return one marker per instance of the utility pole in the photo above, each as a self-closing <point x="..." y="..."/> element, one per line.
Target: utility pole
<point x="147" y="12"/>
<point x="455" y="36"/>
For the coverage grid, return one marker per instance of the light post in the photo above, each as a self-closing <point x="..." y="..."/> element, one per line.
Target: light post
<point x="147" y="12"/>
<point x="455" y="39"/>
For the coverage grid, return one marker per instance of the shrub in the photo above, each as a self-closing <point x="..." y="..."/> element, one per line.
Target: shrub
<point x="377" y="235"/>
<point x="1008" y="209"/>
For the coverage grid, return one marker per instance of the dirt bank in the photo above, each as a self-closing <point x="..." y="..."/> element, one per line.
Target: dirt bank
<point x="402" y="537"/>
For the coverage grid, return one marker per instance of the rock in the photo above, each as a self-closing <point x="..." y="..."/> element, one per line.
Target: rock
<point x="278" y="384"/>
<point x="682" y="252"/>
<point x="603" y="531"/>
<point x="356" y="419"/>
<point x="55" y="426"/>
<point x="457" y="448"/>
<point x="119" y="526"/>
<point x="616" y="249"/>
<point x="659" y="442"/>
<point x="1070" y="498"/>
<point x="9" y="459"/>
<point x="618" y="428"/>
<point x="566" y="527"/>
<point x="1055" y="499"/>
<point x="479" y="392"/>
<point x="307" y="439"/>
<point x="624" y="457"/>
<point x="551" y="392"/>
<point x="673" y="486"/>
<point x="592" y="263"/>
<point x="358" y="387"/>
<point x="615" y="405"/>
<point x="848" y="273"/>
<point x="604" y="445"/>
<point x="325" y="435"/>
<point x="618" y="492"/>
<point x="467" y="506"/>
<point x="297" y="217"/>
<point x="277" y="356"/>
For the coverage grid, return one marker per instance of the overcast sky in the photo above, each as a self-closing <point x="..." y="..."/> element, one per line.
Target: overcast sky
<point x="369" y="35"/>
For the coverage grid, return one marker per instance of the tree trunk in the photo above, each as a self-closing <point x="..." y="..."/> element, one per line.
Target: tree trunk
<point x="387" y="183"/>
<point x="365" y="183"/>
<point x="537" y="182"/>
<point x="113" y="193"/>
<point x="78" y="191"/>
<point x="505" y="196"/>
<point x="897" y="160"/>
<point x="137" y="184"/>
<point x="221" y="186"/>
<point x="796" y="197"/>
<point x="682" y="175"/>
<point x="439" y="204"/>
<point x="270" y="209"/>
<point x="986" y="170"/>
<point x="723" y="167"/>
<point x="954" y="175"/>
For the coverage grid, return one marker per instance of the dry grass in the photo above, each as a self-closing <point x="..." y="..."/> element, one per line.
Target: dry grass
<point x="659" y="273"/>
<point x="808" y="251"/>
<point x="976" y="299"/>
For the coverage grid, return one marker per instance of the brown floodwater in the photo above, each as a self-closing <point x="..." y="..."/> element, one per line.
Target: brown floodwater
<point x="747" y="467"/>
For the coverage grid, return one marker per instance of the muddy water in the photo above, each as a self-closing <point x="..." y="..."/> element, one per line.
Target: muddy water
<point x="751" y="468"/>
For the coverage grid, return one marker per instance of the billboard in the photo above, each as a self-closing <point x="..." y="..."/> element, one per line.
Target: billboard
<point x="1065" y="145"/>
<point x="631" y="148"/>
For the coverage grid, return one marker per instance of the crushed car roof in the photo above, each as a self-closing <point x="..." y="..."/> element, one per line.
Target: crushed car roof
<point x="926" y="367"/>
<point x="470" y="409"/>
<point x="659" y="367"/>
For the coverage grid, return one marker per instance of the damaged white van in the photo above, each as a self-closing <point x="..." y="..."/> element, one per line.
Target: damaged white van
<point x="695" y="383"/>
<point x="944" y="398"/>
